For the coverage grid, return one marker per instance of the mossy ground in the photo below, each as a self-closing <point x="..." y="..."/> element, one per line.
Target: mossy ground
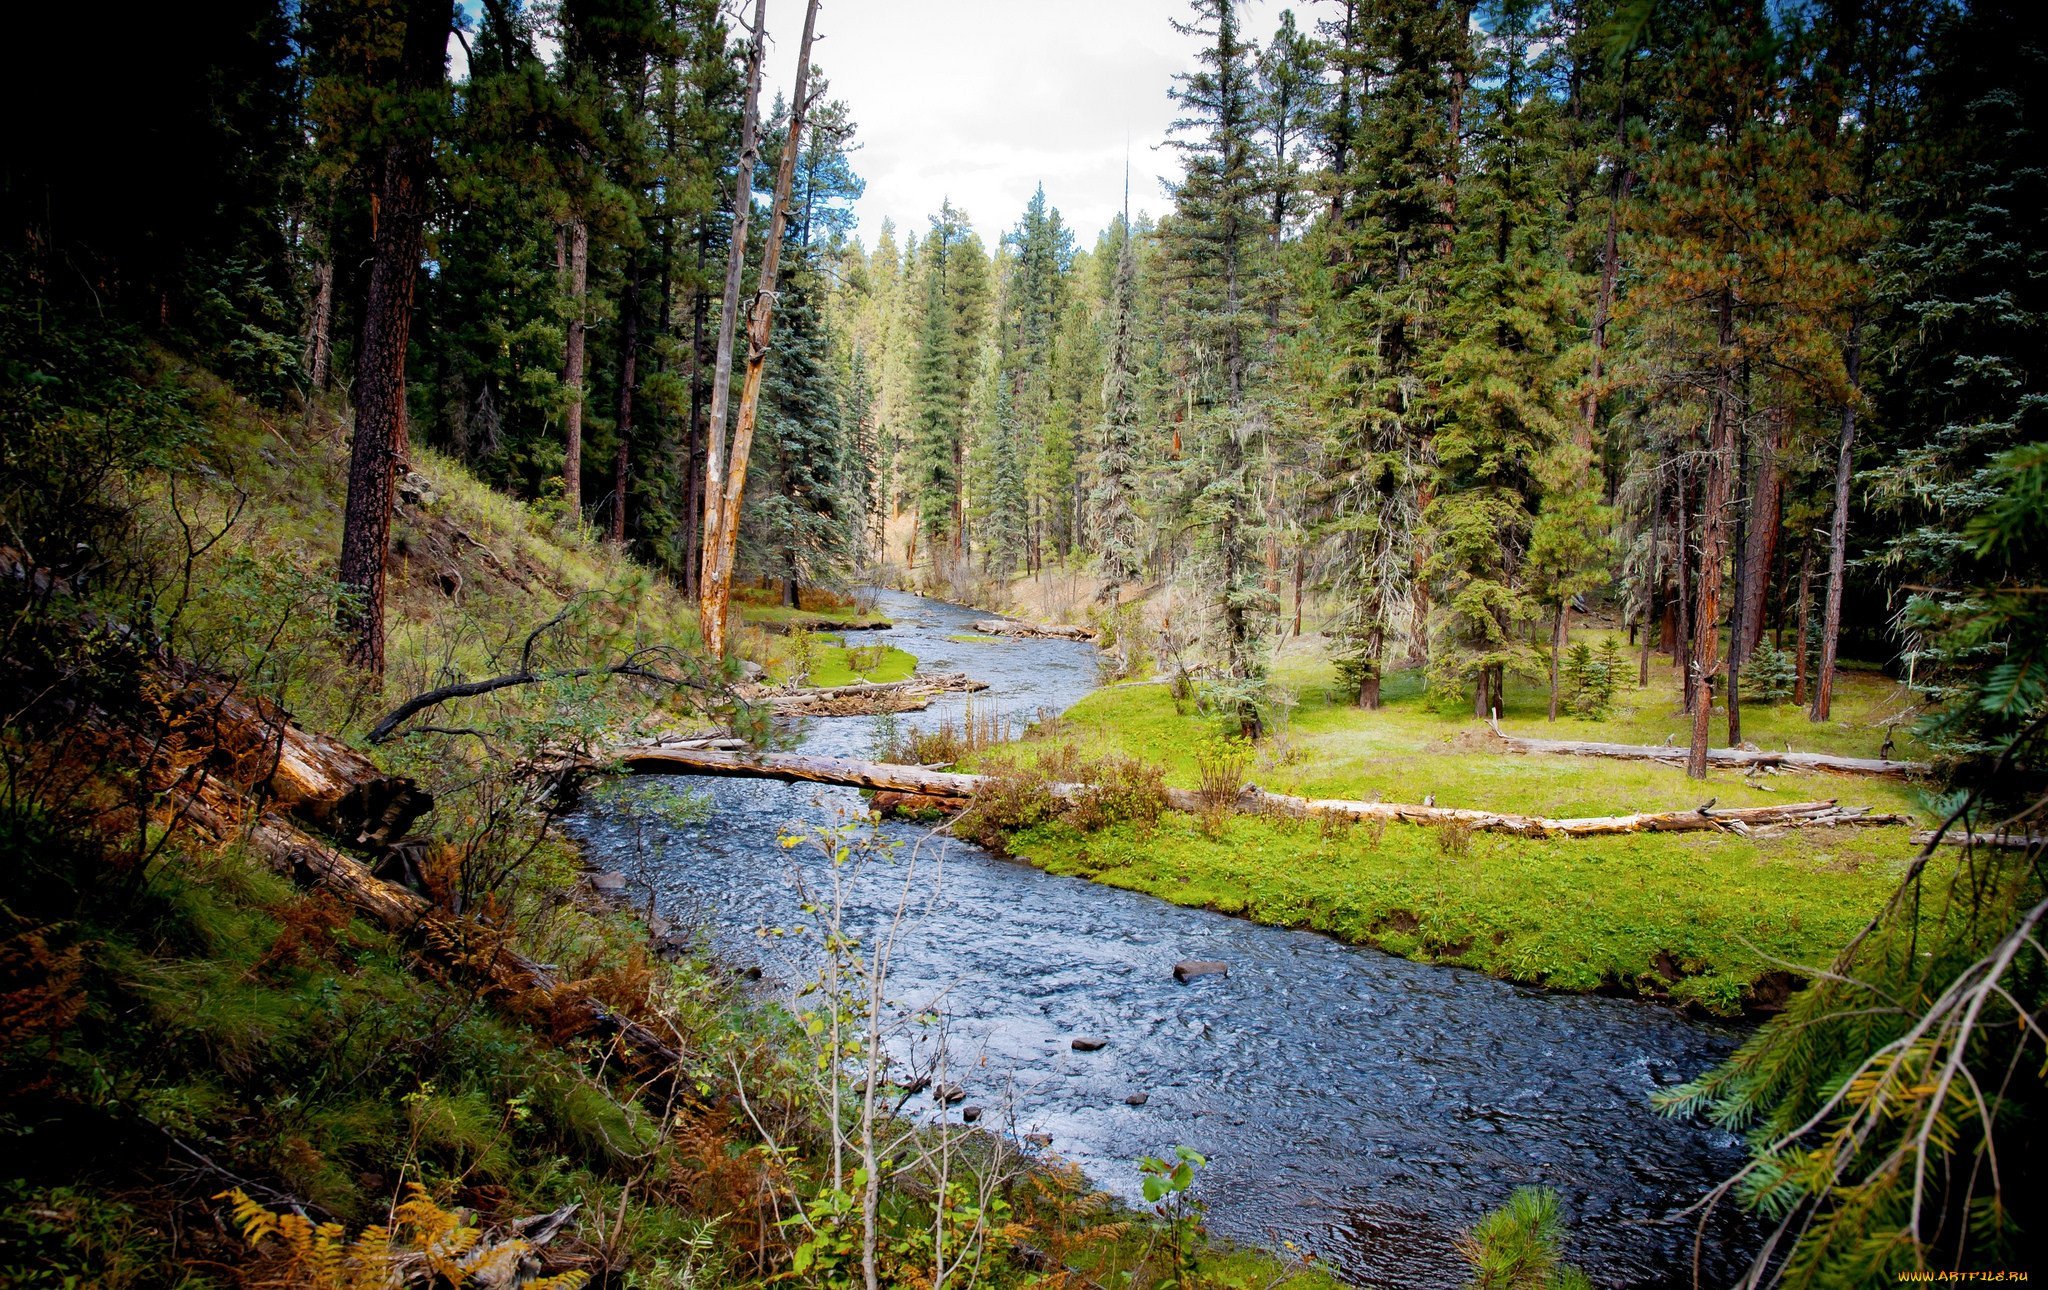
<point x="1719" y="913"/>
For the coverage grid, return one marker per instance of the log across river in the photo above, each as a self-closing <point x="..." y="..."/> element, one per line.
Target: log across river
<point x="1365" y="1107"/>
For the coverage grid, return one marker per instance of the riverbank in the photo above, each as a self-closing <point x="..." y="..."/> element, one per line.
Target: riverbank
<point x="175" y="976"/>
<point x="1721" y="923"/>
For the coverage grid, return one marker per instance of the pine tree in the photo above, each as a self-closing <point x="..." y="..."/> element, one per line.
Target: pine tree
<point x="935" y="477"/>
<point x="1503" y="385"/>
<point x="1116" y="463"/>
<point x="1383" y="259"/>
<point x="1213" y="240"/>
<point x="803" y="516"/>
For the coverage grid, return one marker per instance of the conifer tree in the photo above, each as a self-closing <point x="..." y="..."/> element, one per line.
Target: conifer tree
<point x="1214" y="239"/>
<point x="1502" y="381"/>
<point x="1386" y="239"/>
<point x="1116" y="463"/>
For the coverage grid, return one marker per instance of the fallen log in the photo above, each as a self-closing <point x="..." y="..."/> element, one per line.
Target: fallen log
<point x="784" y="626"/>
<point x="2000" y="841"/>
<point x="889" y="777"/>
<point x="315" y="777"/>
<point x="1056" y="631"/>
<point x="864" y="697"/>
<point x="1701" y="819"/>
<point x="212" y="808"/>
<point x="1718" y="756"/>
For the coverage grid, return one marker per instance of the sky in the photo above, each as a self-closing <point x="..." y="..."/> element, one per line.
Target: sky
<point x="982" y="100"/>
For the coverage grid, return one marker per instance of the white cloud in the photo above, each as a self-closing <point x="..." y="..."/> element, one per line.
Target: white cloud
<point x="982" y="100"/>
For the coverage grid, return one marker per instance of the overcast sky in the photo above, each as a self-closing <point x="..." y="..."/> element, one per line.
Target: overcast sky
<point x="982" y="100"/>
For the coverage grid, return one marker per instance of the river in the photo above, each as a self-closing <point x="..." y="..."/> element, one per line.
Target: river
<point x="1365" y="1107"/>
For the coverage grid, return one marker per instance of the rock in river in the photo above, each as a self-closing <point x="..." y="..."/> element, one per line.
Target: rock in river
<point x="1189" y="969"/>
<point x="1137" y="1099"/>
<point x="969" y="1114"/>
<point x="945" y="1094"/>
<point x="1089" y="1043"/>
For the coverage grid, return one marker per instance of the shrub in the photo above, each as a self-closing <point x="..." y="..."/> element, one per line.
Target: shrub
<point x="1121" y="789"/>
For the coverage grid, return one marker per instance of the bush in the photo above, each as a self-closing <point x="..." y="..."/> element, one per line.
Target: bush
<point x="1123" y="789"/>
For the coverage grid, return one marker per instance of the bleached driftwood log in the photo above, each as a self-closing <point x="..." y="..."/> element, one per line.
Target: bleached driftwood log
<point x="864" y="697"/>
<point x="1056" y="631"/>
<point x="1717" y="756"/>
<point x="886" y="776"/>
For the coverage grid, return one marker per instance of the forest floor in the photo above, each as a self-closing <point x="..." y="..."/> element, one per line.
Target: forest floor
<point x="1713" y="920"/>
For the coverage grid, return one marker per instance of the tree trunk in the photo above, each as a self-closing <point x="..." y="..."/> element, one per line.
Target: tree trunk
<point x="713" y="585"/>
<point x="319" y="343"/>
<point x="1559" y="634"/>
<point x="399" y="211"/>
<point x="629" y="345"/>
<point x="717" y="593"/>
<point x="1799" y="677"/>
<point x="1603" y="307"/>
<point x="694" y="436"/>
<point x="1838" y="538"/>
<point x="1760" y="549"/>
<point x="1681" y="639"/>
<point x="1741" y="499"/>
<point x="1713" y="541"/>
<point x="1650" y="581"/>
<point x="572" y="372"/>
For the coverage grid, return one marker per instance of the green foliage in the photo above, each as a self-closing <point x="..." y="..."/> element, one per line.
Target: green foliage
<point x="1769" y="674"/>
<point x="1520" y="1246"/>
<point x="1591" y="681"/>
<point x="1169" y="1188"/>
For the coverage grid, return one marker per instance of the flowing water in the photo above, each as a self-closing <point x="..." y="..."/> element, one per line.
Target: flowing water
<point x="1362" y="1106"/>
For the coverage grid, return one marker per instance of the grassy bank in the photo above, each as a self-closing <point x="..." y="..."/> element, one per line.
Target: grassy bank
<point x="1713" y="920"/>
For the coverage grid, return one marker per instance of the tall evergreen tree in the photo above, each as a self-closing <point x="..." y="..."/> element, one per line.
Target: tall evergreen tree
<point x="1116" y="463"/>
<point x="1214" y="240"/>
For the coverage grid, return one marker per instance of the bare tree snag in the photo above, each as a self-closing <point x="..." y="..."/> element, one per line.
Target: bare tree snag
<point x="398" y="216"/>
<point x="710" y="603"/>
<point x="716" y="598"/>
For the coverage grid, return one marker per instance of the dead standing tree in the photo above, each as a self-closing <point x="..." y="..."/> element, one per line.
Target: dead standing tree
<point x="726" y="469"/>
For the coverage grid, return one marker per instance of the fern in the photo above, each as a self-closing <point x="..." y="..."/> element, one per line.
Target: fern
<point x="439" y="1247"/>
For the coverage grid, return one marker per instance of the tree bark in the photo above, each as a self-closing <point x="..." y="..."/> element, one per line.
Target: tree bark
<point x="1739" y="500"/>
<point x="715" y="600"/>
<point x="319" y="343"/>
<point x="1799" y="677"/>
<point x="1650" y="581"/>
<point x="1559" y="630"/>
<point x="1713" y="541"/>
<point x="1760" y="550"/>
<point x="572" y="371"/>
<point x="629" y="346"/>
<point x="398" y="213"/>
<point x="711" y="591"/>
<point x="1681" y="640"/>
<point x="1838" y="537"/>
